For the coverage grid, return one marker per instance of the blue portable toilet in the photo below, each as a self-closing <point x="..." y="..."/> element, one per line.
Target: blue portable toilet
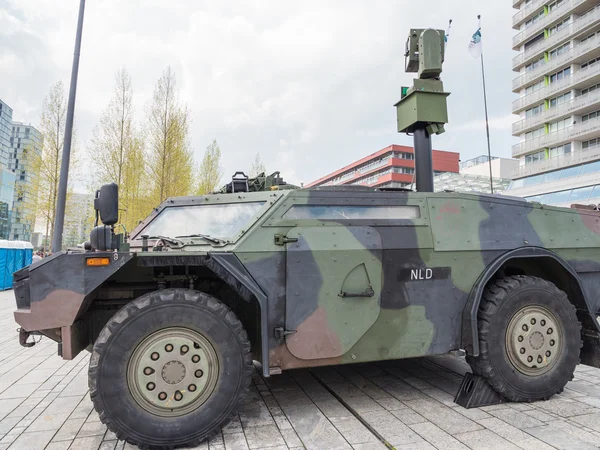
<point x="14" y="255"/>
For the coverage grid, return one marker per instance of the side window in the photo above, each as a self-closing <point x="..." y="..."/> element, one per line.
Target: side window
<point x="342" y="212"/>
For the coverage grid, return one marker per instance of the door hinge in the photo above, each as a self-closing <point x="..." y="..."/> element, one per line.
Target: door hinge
<point x="281" y="239"/>
<point x="280" y="332"/>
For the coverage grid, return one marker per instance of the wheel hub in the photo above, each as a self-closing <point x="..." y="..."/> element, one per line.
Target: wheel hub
<point x="534" y="340"/>
<point x="172" y="372"/>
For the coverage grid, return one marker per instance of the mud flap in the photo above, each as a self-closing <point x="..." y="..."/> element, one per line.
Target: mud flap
<point x="590" y="352"/>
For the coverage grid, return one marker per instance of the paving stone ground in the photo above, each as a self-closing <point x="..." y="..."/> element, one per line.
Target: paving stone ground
<point x="44" y="404"/>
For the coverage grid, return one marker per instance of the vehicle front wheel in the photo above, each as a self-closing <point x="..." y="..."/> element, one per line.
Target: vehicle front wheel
<point x="169" y="369"/>
<point x="529" y="338"/>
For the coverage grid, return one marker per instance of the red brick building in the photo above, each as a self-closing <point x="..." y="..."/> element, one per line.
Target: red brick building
<point x="393" y="166"/>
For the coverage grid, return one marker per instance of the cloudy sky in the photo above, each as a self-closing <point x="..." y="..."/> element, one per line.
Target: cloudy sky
<point x="309" y="85"/>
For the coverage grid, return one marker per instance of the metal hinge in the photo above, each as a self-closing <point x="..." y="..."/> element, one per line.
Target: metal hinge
<point x="281" y="239"/>
<point x="280" y="332"/>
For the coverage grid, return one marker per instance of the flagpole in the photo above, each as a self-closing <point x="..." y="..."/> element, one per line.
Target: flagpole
<point x="487" y="123"/>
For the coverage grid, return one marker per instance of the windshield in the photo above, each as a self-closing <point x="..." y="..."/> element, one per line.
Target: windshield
<point x="223" y="221"/>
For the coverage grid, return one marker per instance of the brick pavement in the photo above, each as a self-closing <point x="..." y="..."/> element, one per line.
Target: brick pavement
<point x="44" y="404"/>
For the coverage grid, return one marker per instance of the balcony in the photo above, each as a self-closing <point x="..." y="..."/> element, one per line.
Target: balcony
<point x="526" y="12"/>
<point x="516" y="3"/>
<point x="580" y="132"/>
<point x="583" y="77"/>
<point x="559" y="162"/>
<point x="566" y="109"/>
<point x="544" y="22"/>
<point x="577" y="26"/>
<point x="583" y="50"/>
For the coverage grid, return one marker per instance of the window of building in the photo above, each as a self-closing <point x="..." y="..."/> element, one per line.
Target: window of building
<point x="534" y="134"/>
<point x="590" y="143"/>
<point x="554" y="5"/>
<point x="534" y="111"/>
<point x="559" y="100"/>
<point x="570" y="172"/>
<point x="559" y="125"/>
<point x="559" y="50"/>
<point x="535" y="18"/>
<point x="560" y="150"/>
<point x="341" y="212"/>
<point x="587" y="90"/>
<point x="559" y="26"/>
<point x="589" y="63"/>
<point x="551" y="176"/>
<point x="560" y="75"/>
<point x="534" y="65"/>
<point x="535" y="157"/>
<point x="590" y="116"/>
<point x="535" y="40"/>
<point x="560" y="197"/>
<point x="590" y="168"/>
<point x="590" y="36"/>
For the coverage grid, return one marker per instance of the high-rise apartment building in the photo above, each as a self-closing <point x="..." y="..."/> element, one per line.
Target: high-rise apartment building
<point x="558" y="83"/>
<point x="25" y="147"/>
<point x="5" y="128"/>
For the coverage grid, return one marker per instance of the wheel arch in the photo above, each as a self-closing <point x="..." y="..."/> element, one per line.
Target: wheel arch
<point x="535" y="261"/>
<point x="231" y="271"/>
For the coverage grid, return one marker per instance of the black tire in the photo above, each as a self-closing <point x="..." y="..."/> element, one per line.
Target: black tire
<point x="501" y="301"/>
<point x="184" y="308"/>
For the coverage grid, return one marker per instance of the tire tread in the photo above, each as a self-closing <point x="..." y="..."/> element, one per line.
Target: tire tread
<point x="145" y="301"/>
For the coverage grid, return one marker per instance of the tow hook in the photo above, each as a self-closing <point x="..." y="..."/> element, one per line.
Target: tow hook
<point x="23" y="335"/>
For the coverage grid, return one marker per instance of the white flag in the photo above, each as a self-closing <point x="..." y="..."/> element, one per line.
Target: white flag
<point x="475" y="47"/>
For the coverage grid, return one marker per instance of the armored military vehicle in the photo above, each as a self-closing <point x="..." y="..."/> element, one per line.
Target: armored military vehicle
<point x="289" y="277"/>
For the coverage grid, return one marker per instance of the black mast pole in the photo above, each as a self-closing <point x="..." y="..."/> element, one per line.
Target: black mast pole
<point x="66" y="155"/>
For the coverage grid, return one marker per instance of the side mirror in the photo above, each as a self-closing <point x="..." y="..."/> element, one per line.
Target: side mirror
<point x="107" y="203"/>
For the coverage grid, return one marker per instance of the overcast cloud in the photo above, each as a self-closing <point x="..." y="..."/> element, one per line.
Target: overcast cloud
<point x="310" y="85"/>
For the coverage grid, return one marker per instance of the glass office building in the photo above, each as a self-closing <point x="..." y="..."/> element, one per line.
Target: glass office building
<point x="5" y="129"/>
<point x="25" y="147"/>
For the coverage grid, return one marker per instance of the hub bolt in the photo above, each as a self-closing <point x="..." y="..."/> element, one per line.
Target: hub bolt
<point x="520" y="338"/>
<point x="195" y="358"/>
<point x="184" y="349"/>
<point x="525" y="328"/>
<point x="540" y="359"/>
<point x="178" y="396"/>
<point x="169" y="347"/>
<point x="150" y="386"/>
<point x="543" y="323"/>
<point x="154" y="356"/>
<point x="198" y="373"/>
<point x="532" y="321"/>
<point x="530" y="358"/>
<point x="550" y="331"/>
<point x="148" y="371"/>
<point x="522" y="351"/>
<point x="548" y="354"/>
<point x="192" y="387"/>
<point x="162" y="396"/>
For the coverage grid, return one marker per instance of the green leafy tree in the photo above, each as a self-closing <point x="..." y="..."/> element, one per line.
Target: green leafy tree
<point x="210" y="172"/>
<point x="170" y="160"/>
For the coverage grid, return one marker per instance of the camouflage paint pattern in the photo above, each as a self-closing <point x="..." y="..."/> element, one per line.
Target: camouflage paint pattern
<point x="357" y="289"/>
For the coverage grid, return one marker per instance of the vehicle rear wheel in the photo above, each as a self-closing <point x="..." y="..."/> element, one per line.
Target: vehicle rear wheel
<point x="529" y="338"/>
<point x="169" y="369"/>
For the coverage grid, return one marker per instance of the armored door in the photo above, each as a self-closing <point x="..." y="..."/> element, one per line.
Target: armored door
<point x="334" y="281"/>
